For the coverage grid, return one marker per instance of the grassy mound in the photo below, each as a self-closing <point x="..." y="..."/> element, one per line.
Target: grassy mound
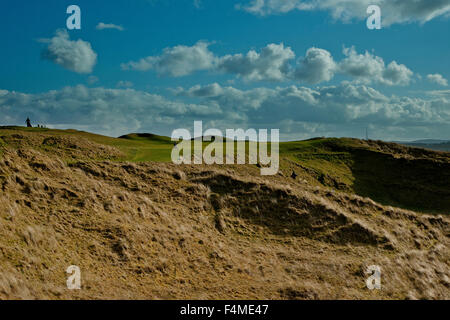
<point x="407" y="177"/>
<point x="140" y="229"/>
<point x="392" y="174"/>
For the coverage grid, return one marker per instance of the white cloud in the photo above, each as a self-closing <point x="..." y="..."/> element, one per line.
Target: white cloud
<point x="298" y="111"/>
<point x="211" y="90"/>
<point x="396" y="74"/>
<point x="336" y="110"/>
<point x="107" y="111"/>
<point x="76" y="56"/>
<point x="103" y="26"/>
<point x="361" y="66"/>
<point x="437" y="78"/>
<point x="268" y="7"/>
<point x="367" y="68"/>
<point x="270" y="64"/>
<point x="276" y="62"/>
<point x="393" y="11"/>
<point x="317" y="66"/>
<point x="176" y="61"/>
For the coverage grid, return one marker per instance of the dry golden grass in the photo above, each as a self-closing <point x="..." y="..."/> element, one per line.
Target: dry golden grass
<point x="161" y="231"/>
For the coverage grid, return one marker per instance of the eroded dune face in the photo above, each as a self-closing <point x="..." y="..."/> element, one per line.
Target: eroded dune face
<point x="155" y="230"/>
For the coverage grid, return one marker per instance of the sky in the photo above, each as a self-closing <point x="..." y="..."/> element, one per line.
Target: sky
<point x="308" y="68"/>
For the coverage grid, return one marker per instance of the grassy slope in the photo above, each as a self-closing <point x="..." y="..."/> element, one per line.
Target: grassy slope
<point x="394" y="175"/>
<point x="134" y="147"/>
<point x="156" y="230"/>
<point x="388" y="173"/>
<point x="391" y="174"/>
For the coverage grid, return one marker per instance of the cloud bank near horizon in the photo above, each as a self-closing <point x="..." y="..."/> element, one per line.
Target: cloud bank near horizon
<point x="300" y="112"/>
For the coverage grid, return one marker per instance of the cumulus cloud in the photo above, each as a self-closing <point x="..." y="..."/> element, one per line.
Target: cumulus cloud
<point x="270" y="64"/>
<point x="340" y="110"/>
<point x="276" y="62"/>
<point x="317" y="66"/>
<point x="369" y="68"/>
<point x="106" y="111"/>
<point x="211" y="90"/>
<point x="103" y="26"/>
<point x="396" y="74"/>
<point x="76" y="56"/>
<point x="393" y="11"/>
<point x="176" y="61"/>
<point x="336" y="110"/>
<point x="437" y="78"/>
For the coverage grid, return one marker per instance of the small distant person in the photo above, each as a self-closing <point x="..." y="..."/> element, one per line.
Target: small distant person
<point x="293" y="175"/>
<point x="28" y="122"/>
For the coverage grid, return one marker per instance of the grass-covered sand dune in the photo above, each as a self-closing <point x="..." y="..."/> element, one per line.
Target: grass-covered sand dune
<point x="392" y="174"/>
<point x="141" y="227"/>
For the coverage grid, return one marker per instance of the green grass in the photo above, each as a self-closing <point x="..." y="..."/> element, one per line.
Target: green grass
<point x="150" y="147"/>
<point x="142" y="147"/>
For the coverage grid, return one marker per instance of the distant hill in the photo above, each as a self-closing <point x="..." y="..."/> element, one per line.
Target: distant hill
<point x="430" y="141"/>
<point x="145" y="136"/>
<point x="433" y="144"/>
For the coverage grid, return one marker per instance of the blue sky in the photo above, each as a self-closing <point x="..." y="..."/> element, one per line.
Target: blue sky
<point x="305" y="67"/>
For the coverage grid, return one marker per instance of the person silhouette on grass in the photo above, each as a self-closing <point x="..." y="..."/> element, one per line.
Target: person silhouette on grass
<point x="294" y="175"/>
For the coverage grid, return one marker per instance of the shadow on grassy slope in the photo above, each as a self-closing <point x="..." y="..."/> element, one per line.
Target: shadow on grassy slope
<point x="391" y="174"/>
